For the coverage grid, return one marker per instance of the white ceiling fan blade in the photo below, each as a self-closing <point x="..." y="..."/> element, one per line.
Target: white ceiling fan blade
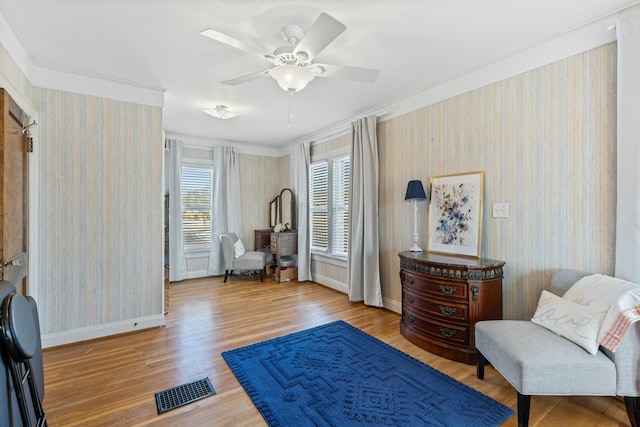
<point x="320" y="35"/>
<point x="230" y="41"/>
<point x="345" y="72"/>
<point x="247" y="78"/>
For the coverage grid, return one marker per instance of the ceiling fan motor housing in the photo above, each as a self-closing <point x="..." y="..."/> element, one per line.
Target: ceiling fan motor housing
<point x="292" y="33"/>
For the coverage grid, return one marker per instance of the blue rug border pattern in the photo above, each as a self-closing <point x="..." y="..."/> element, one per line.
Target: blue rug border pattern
<point x="500" y="415"/>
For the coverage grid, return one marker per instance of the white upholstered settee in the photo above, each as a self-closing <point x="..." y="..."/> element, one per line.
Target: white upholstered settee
<point x="537" y="361"/>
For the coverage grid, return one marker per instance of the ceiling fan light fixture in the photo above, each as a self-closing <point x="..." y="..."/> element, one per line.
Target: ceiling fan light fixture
<point x="221" y="112"/>
<point x="292" y="78"/>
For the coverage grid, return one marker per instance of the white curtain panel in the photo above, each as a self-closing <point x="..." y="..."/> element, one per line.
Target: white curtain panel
<point x="299" y="163"/>
<point x="227" y="213"/>
<point x="177" y="260"/>
<point x="628" y="178"/>
<point x="364" y="261"/>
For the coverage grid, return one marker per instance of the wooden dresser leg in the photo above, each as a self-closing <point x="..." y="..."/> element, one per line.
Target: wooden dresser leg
<point x="524" y="403"/>
<point x="633" y="410"/>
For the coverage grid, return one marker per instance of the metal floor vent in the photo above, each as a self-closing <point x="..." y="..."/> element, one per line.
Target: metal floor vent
<point x="183" y="394"/>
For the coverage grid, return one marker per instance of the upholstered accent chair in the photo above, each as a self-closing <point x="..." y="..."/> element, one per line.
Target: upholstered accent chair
<point x="537" y="361"/>
<point x="237" y="258"/>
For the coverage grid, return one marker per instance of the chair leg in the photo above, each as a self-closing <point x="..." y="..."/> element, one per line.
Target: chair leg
<point x="524" y="403"/>
<point x="262" y="275"/>
<point x="482" y="361"/>
<point x="633" y="410"/>
<point x="226" y="275"/>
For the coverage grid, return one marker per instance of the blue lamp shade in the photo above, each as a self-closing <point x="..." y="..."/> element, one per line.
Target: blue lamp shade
<point x="415" y="190"/>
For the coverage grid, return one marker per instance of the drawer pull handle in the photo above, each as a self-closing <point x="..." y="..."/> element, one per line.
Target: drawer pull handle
<point x="411" y="299"/>
<point x="411" y="280"/>
<point x="411" y="318"/>
<point x="447" y="289"/>
<point x="474" y="292"/>
<point x="447" y="332"/>
<point x="447" y="311"/>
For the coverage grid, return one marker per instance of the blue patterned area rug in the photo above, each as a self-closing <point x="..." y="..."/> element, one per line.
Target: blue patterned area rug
<point x="337" y="375"/>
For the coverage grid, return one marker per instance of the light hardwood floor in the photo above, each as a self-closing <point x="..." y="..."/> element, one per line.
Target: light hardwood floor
<point x="112" y="381"/>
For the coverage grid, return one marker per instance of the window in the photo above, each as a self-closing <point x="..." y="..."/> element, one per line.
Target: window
<point x="329" y="205"/>
<point x="196" y="188"/>
<point x="318" y="203"/>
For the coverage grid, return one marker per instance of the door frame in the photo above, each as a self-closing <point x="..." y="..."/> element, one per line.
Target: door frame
<point x="33" y="279"/>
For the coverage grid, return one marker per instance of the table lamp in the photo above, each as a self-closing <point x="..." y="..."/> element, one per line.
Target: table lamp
<point x="415" y="192"/>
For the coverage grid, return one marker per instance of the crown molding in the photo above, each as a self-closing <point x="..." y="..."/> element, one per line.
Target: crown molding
<point x="243" y="148"/>
<point x="102" y="87"/>
<point x="50" y="78"/>
<point x="581" y="39"/>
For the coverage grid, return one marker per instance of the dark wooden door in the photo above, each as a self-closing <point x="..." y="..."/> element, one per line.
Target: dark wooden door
<point x="13" y="188"/>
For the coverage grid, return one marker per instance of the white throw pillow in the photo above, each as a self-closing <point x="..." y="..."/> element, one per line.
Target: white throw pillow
<point x="578" y="323"/>
<point x="623" y="298"/>
<point x="238" y="249"/>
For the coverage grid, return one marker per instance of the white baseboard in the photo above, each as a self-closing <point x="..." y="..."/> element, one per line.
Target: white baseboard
<point x="392" y="305"/>
<point x="331" y="283"/>
<point x="103" y="330"/>
<point x="197" y="274"/>
<point x="389" y="304"/>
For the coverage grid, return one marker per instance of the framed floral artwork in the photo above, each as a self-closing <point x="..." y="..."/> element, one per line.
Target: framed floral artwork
<point x="455" y="214"/>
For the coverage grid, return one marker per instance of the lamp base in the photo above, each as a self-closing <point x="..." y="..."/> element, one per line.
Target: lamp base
<point x="415" y="248"/>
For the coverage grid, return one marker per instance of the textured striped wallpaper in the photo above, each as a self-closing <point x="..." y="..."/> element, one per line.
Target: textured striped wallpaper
<point x="100" y="211"/>
<point x="261" y="179"/>
<point x="546" y="141"/>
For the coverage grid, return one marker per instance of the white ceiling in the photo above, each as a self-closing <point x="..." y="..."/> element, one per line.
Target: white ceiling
<point x="156" y="44"/>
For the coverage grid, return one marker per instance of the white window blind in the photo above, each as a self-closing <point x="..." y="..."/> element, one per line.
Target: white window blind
<point x="196" y="187"/>
<point x="340" y="232"/>
<point x="318" y="204"/>
<point x="329" y="205"/>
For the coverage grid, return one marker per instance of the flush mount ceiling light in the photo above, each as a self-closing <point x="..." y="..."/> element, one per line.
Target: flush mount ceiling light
<point x="221" y="112"/>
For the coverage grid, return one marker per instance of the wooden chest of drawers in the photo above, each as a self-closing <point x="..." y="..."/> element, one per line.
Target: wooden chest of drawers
<point x="442" y="299"/>
<point x="262" y="238"/>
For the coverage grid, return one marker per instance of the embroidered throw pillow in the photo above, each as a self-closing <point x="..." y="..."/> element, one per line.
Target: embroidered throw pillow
<point x="578" y="323"/>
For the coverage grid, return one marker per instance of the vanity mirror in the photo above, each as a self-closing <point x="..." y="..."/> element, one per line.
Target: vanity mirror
<point x="282" y="211"/>
<point x="286" y="206"/>
<point x="274" y="213"/>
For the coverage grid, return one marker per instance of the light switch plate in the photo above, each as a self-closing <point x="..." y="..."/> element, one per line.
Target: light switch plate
<point x="501" y="210"/>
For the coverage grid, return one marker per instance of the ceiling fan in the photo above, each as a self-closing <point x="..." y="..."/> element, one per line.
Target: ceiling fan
<point x="293" y="63"/>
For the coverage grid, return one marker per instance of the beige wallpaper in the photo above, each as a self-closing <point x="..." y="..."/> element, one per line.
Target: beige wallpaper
<point x="546" y="141"/>
<point x="100" y="211"/>
<point x="261" y="179"/>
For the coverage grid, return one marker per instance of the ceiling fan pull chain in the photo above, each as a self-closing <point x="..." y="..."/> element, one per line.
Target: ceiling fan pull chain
<point x="290" y="113"/>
